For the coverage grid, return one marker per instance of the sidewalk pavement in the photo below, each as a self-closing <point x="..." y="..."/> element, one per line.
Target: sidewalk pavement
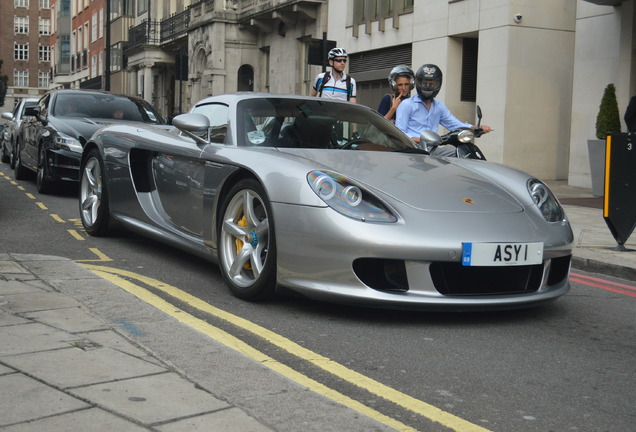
<point x="66" y="365"/>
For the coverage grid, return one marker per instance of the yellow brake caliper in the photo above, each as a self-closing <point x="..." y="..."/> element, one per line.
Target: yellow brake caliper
<point x="239" y="243"/>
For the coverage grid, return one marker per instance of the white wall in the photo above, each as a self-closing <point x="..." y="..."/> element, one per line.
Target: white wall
<point x="602" y="56"/>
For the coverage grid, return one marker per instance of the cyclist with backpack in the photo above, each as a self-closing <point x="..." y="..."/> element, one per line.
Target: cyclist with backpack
<point x="335" y="84"/>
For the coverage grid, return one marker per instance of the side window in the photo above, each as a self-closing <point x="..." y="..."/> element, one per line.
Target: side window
<point x="218" y="116"/>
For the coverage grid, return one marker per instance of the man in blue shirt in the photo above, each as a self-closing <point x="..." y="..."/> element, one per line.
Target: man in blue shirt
<point x="423" y="112"/>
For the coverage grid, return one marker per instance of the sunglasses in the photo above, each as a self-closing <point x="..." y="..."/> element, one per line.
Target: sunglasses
<point x="340" y="60"/>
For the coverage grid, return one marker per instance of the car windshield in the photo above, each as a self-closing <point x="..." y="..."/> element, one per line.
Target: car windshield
<point x="104" y="106"/>
<point x="316" y="123"/>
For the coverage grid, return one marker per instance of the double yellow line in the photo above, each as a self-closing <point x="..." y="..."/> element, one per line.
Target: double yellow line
<point x="122" y="279"/>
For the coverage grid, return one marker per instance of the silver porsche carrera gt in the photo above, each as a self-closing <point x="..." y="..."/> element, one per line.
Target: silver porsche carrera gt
<point x="330" y="200"/>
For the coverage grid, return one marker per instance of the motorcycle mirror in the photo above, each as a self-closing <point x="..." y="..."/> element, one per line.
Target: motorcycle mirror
<point x="429" y="139"/>
<point x="478" y="115"/>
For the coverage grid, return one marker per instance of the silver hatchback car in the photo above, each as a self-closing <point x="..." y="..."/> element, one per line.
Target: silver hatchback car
<point x="12" y="131"/>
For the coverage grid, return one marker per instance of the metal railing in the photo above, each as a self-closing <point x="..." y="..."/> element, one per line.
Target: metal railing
<point x="175" y="26"/>
<point x="146" y="33"/>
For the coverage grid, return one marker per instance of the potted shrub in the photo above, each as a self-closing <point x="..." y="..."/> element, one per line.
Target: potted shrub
<point x="607" y="121"/>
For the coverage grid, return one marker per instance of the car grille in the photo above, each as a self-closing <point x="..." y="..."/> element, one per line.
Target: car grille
<point x="453" y="279"/>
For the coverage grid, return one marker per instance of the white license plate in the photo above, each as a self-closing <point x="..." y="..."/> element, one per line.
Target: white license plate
<point x="501" y="254"/>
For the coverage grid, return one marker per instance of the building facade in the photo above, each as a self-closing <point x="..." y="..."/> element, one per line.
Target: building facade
<point x="25" y="29"/>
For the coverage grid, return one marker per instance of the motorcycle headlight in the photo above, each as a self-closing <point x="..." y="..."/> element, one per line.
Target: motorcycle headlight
<point x="546" y="201"/>
<point x="67" y="142"/>
<point x="349" y="199"/>
<point x="466" y="136"/>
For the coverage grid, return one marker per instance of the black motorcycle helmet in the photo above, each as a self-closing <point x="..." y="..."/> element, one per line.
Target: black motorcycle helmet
<point x="428" y="81"/>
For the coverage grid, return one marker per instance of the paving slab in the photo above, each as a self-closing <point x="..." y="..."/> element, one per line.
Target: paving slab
<point x="22" y="286"/>
<point x="228" y="420"/>
<point x="30" y="302"/>
<point x="153" y="399"/>
<point x="72" y="320"/>
<point x="29" y="337"/>
<point x="90" y="365"/>
<point x="87" y="420"/>
<point x="25" y="399"/>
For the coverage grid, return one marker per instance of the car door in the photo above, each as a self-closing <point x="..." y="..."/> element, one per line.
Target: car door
<point x="33" y="129"/>
<point x="181" y="177"/>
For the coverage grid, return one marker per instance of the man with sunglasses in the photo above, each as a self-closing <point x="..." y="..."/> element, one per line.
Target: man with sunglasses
<point x="335" y="84"/>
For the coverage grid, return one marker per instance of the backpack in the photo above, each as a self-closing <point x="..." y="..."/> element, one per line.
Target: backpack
<point x="327" y="77"/>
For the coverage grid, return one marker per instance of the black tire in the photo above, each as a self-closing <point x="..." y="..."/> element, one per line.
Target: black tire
<point x="93" y="195"/>
<point x="247" y="245"/>
<point x="12" y="158"/>
<point x="21" y="172"/>
<point x="5" y="155"/>
<point x="44" y="183"/>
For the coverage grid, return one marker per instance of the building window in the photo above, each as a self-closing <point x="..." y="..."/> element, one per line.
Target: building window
<point x="21" y="25"/>
<point x="43" y="80"/>
<point x="93" y="66"/>
<point x="94" y="27"/>
<point x="20" y="78"/>
<point x="142" y="6"/>
<point x="45" y="26"/>
<point x="116" y="57"/>
<point x="121" y="8"/>
<point x="65" y="7"/>
<point x="469" y="70"/>
<point x="44" y="53"/>
<point x="100" y="23"/>
<point x="45" y="4"/>
<point x="21" y="51"/>
<point x="21" y="3"/>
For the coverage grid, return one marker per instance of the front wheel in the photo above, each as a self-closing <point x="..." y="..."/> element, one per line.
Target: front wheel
<point x="247" y="246"/>
<point x="93" y="195"/>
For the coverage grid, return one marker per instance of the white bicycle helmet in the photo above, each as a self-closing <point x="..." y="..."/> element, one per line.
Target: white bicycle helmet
<point x="337" y="52"/>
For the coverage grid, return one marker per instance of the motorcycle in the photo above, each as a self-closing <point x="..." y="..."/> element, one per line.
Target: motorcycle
<point x="460" y="142"/>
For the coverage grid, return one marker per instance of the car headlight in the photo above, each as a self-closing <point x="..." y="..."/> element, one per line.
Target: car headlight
<point x="349" y="199"/>
<point x="466" y="136"/>
<point x="67" y="142"/>
<point x="546" y="201"/>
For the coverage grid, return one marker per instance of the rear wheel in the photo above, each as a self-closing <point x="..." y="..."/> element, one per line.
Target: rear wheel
<point x="21" y="172"/>
<point x="93" y="199"/>
<point x="5" y="153"/>
<point x="45" y="185"/>
<point x="12" y="156"/>
<point x="247" y="246"/>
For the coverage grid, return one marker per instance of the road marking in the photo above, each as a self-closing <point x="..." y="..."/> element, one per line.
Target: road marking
<point x="41" y="205"/>
<point x="30" y="195"/>
<point x="408" y="402"/>
<point x="245" y="349"/>
<point x="57" y="218"/>
<point x="628" y="290"/>
<point x="101" y="256"/>
<point x="75" y="234"/>
<point x="21" y="188"/>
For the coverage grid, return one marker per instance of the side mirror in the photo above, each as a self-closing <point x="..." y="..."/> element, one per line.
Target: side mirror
<point x="7" y="115"/>
<point x="429" y="139"/>
<point x="193" y="124"/>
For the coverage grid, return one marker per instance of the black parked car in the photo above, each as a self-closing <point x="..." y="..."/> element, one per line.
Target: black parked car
<point x="60" y="124"/>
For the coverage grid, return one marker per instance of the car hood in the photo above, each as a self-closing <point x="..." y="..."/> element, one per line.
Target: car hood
<point x="80" y="128"/>
<point x="420" y="181"/>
